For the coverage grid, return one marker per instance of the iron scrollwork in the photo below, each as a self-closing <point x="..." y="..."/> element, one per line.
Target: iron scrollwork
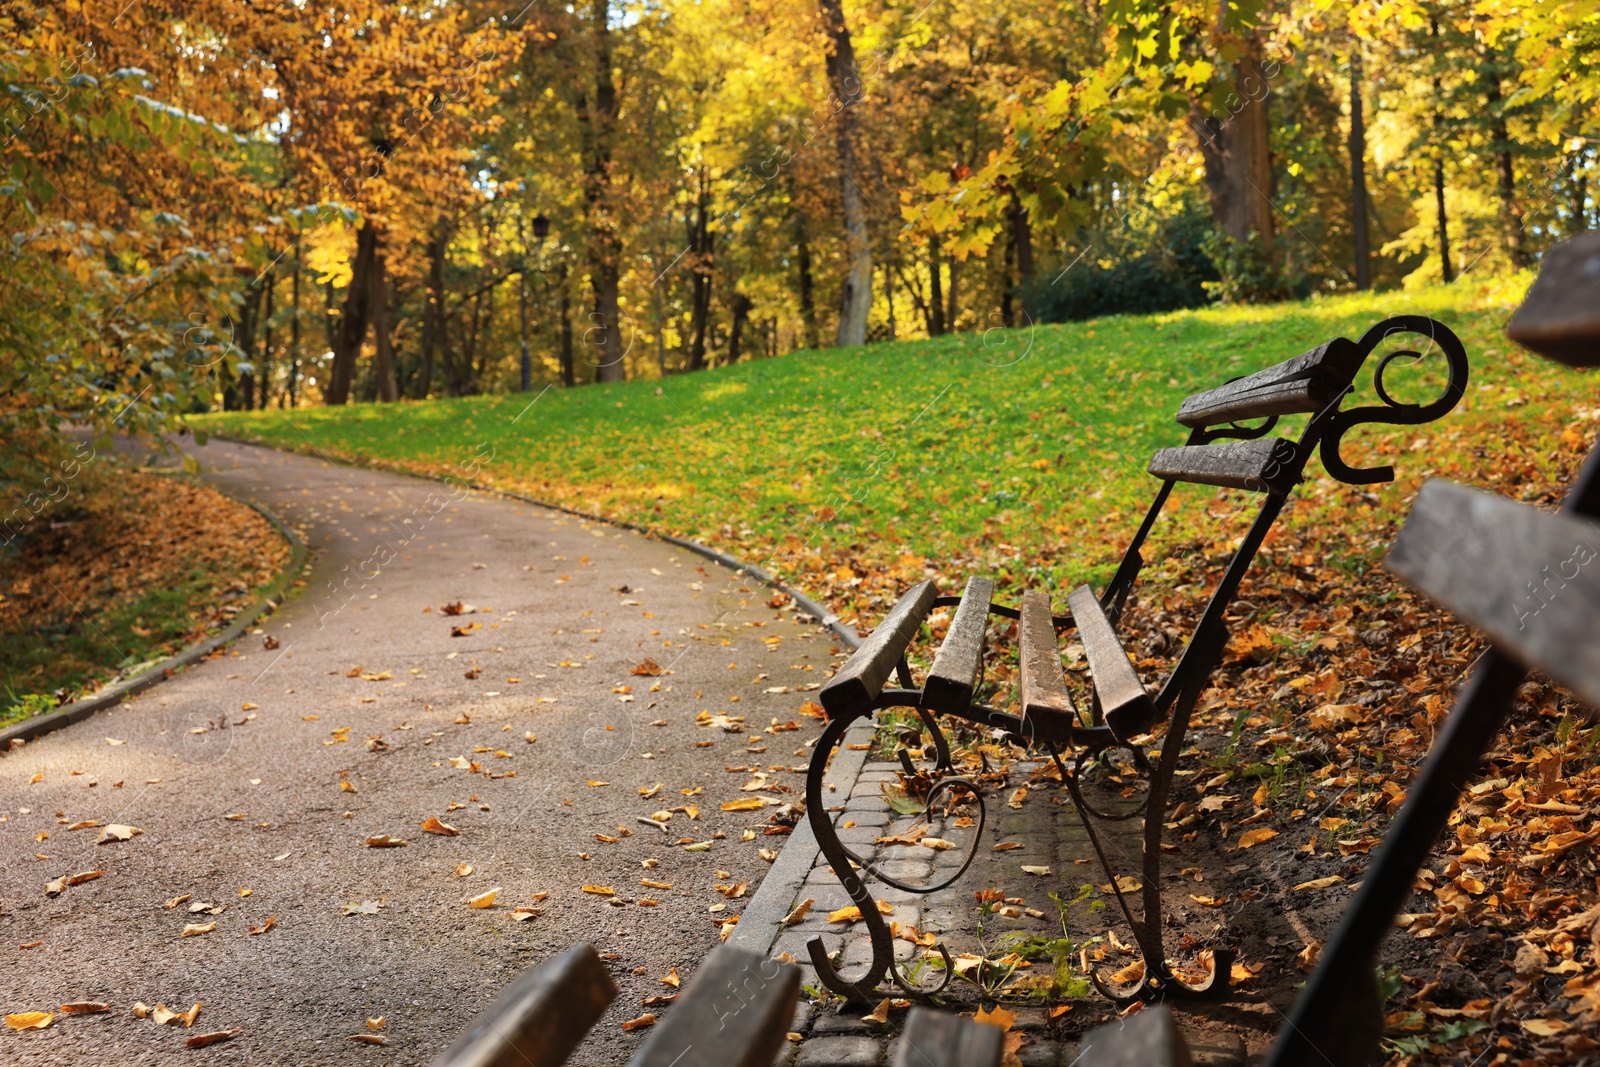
<point x="1394" y="411"/>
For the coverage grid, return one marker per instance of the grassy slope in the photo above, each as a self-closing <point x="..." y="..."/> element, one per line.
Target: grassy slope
<point x="946" y="451"/>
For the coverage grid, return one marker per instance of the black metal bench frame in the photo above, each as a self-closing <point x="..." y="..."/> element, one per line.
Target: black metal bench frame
<point x="1220" y="451"/>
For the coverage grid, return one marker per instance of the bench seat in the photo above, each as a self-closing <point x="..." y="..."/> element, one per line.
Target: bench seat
<point x="1126" y="704"/>
<point x="959" y="662"/>
<point x="858" y="683"/>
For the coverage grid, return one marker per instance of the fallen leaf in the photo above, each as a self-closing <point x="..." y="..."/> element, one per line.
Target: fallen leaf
<point x="484" y="899"/>
<point x="117" y="832"/>
<point x="799" y="912"/>
<point x="642" y="1021"/>
<point x="600" y="890"/>
<point x="672" y="978"/>
<point x="213" y="1038"/>
<point x="1307" y="958"/>
<point x="272" y="920"/>
<point x="463" y="869"/>
<point x="374" y="1025"/>
<point x="175" y="901"/>
<point x="84" y="876"/>
<point x="385" y="841"/>
<point x="1040" y="871"/>
<point x="1007" y="846"/>
<point x="744" y="804"/>
<point x="434" y="826"/>
<point x="366" y="907"/>
<point x="367" y="1039"/>
<point x="1537" y="1027"/>
<point x="1319" y="883"/>
<point x="85" y="1007"/>
<point x="56" y="887"/>
<point x="522" y="915"/>
<point x="1251" y="838"/>
<point x="196" y="929"/>
<point x="880" y="1014"/>
<point x="999" y="1016"/>
<point x="30" y="1020"/>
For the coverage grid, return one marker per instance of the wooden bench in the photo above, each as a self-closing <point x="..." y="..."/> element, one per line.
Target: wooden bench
<point x="1222" y="451"/>
<point x="735" y="1012"/>
<point x="1530" y="581"/>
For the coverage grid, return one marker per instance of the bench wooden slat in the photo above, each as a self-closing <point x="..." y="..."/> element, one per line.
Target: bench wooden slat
<point x="1126" y="705"/>
<point x="1560" y="317"/>
<point x="1147" y="1038"/>
<point x="735" y="1013"/>
<point x="1048" y="713"/>
<point x="862" y="678"/>
<point x="540" y="1018"/>
<point x="1528" y="579"/>
<point x="1266" y="465"/>
<point x="954" y="675"/>
<point x="1306" y="383"/>
<point x="939" y="1039"/>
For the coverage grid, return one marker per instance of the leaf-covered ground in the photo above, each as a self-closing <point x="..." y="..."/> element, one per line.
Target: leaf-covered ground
<point x="1020" y="455"/>
<point x="120" y="574"/>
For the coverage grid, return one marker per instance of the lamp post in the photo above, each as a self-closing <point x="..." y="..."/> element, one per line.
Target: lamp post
<point x="541" y="230"/>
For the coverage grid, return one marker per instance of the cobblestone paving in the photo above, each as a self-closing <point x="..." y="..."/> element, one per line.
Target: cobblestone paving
<point x="1049" y="835"/>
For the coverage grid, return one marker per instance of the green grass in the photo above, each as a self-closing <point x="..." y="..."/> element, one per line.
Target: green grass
<point x="1022" y="448"/>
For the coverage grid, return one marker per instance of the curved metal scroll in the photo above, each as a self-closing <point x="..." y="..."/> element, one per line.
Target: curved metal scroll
<point x="839" y="858"/>
<point x="1394" y="411"/>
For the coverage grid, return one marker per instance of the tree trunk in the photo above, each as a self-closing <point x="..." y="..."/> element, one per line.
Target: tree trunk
<point x="1237" y="154"/>
<point x="844" y="79"/>
<point x="1022" y="242"/>
<point x="1358" y="173"/>
<point x="598" y="119"/>
<point x="568" y="378"/>
<point x="808" y="304"/>
<point x="354" y="317"/>
<point x="1007" y="280"/>
<point x="1580" y="197"/>
<point x="436" y="333"/>
<point x="741" y="316"/>
<point x="265" y="367"/>
<point x="1510" y="212"/>
<point x="1446" y="271"/>
<point x="240" y="392"/>
<point x="294" y="324"/>
<point x="700" y="265"/>
<point x="888" y="295"/>
<point x="936" y="294"/>
<point x="388" y="392"/>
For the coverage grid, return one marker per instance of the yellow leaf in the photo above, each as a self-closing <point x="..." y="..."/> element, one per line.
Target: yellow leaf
<point x="1252" y="838"/>
<point x="647" y="1019"/>
<point x="744" y="804"/>
<point x="433" y="826"/>
<point x="484" y="899"/>
<point x="998" y="1017"/>
<point x="30" y="1020"/>
<point x="845" y="915"/>
<point x="196" y="929"/>
<point x="880" y="1014"/>
<point x="1538" y="1027"/>
<point x="799" y="912"/>
<point x="1319" y="883"/>
<point x="600" y="890"/>
<point x="672" y="978"/>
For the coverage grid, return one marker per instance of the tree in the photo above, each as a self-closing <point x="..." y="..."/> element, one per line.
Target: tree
<point x="844" y="79"/>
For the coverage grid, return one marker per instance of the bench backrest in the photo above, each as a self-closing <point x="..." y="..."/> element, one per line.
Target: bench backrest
<point x="1223" y="451"/>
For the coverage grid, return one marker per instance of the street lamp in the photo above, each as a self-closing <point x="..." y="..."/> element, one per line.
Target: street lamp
<point x="541" y="230"/>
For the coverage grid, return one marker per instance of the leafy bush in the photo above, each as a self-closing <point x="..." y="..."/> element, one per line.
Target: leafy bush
<point x="1129" y="273"/>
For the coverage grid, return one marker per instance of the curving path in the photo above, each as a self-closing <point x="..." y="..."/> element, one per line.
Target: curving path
<point x="257" y="777"/>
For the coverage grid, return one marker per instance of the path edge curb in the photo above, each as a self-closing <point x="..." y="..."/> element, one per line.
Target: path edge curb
<point x="269" y="600"/>
<point x="760" y="923"/>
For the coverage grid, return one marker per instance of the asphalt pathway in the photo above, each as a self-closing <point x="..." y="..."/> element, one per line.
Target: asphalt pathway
<point x="257" y="777"/>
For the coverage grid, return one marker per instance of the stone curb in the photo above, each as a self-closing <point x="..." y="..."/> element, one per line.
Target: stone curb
<point x="269" y="600"/>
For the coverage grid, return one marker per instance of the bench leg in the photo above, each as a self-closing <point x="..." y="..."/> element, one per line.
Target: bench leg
<point x="1159" y="982"/>
<point x="840" y="859"/>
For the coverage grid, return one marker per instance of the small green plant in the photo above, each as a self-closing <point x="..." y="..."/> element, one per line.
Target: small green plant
<point x="27" y="706"/>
